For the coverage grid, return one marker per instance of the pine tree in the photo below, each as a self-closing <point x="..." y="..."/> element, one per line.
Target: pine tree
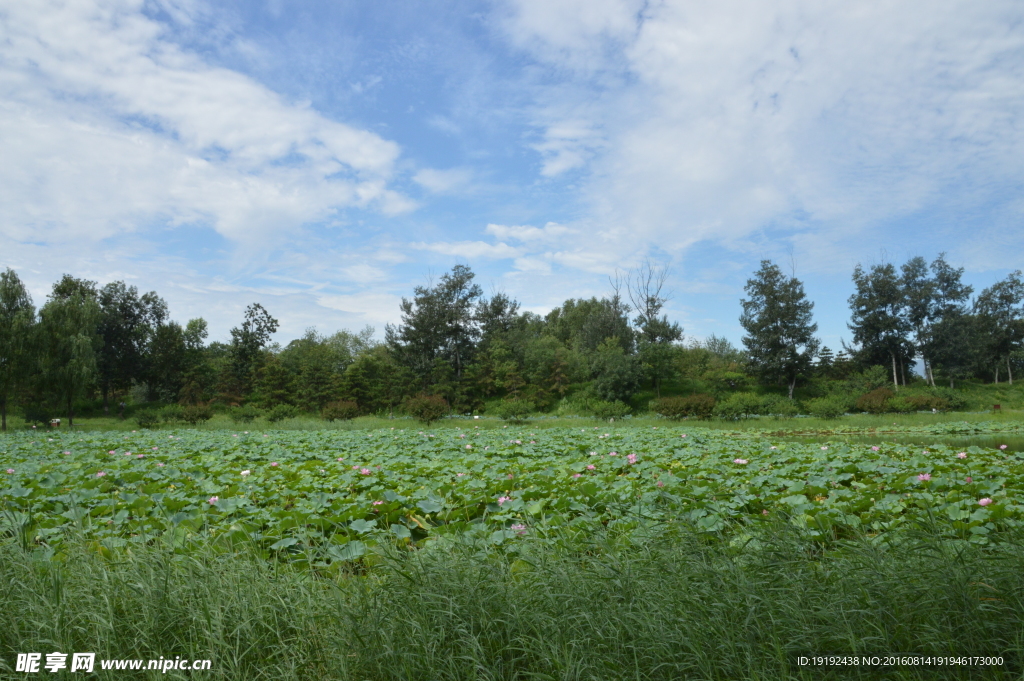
<point x="780" y="338"/>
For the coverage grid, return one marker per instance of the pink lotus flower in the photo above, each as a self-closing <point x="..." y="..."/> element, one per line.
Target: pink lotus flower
<point x="740" y="461"/>
<point x="613" y="453"/>
<point x="67" y="453"/>
<point x="683" y="435"/>
<point x="577" y="475"/>
<point x="140" y="456"/>
<point x="518" y="528"/>
<point x="10" y="471"/>
<point x="459" y="475"/>
<point x="341" y="458"/>
<point x="100" y="474"/>
<point x="234" y="435"/>
<point x="274" y="464"/>
<point x="1002" y="446"/>
<point x="591" y="467"/>
<point x="962" y="455"/>
<point x="660" y="483"/>
<point x="510" y="476"/>
<point x="365" y="471"/>
<point x="824" y="447"/>
<point x="984" y="502"/>
<point x="502" y="500"/>
<point x="155" y="448"/>
<point x="924" y="477"/>
<point x="160" y="465"/>
<point x="378" y="503"/>
<point x="213" y="500"/>
<point x="774" y="447"/>
<point x="764" y="511"/>
<point x="968" y="479"/>
<point x="462" y="435"/>
<point x="631" y="458"/>
<point x="111" y="452"/>
<point x="874" y="449"/>
<point x="469" y="446"/>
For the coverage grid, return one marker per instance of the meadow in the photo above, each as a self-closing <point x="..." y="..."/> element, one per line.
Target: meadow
<point x="490" y="551"/>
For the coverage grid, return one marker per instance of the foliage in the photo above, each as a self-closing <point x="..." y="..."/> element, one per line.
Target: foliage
<point x="280" y="413"/>
<point x="826" y="407"/>
<point x="739" y="405"/>
<point x="699" y="406"/>
<point x="604" y="409"/>
<point x="68" y="341"/>
<point x="244" y="414"/>
<point x="194" y="414"/>
<point x="515" y="410"/>
<point x="17" y="317"/>
<point x="147" y="418"/>
<point x="876" y="401"/>
<point x="780" y="341"/>
<point x="340" y="410"/>
<point x="427" y="408"/>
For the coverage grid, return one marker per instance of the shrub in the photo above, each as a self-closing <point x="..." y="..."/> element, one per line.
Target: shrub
<point x="244" y="414"/>
<point x="427" y="408"/>
<point x="515" y="410"/>
<point x="826" y="407"/>
<point x="193" y="414"/>
<point x="35" y="414"/>
<point x="603" y="409"/>
<point x="147" y="418"/>
<point x="955" y="400"/>
<point x="281" y="412"/>
<point x="171" y="413"/>
<point x="926" y="402"/>
<point x="780" y="407"/>
<point x="875" y="401"/>
<point x="739" y="405"/>
<point x="342" y="410"/>
<point x="699" y="406"/>
<point x="899" y="405"/>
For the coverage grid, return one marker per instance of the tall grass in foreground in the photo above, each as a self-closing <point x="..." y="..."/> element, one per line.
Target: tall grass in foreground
<point x="672" y="606"/>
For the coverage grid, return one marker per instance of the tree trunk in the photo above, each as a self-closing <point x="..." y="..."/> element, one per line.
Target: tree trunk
<point x="1009" y="369"/>
<point x="997" y="374"/>
<point x="951" y="383"/>
<point x="929" y="376"/>
<point x="895" y="381"/>
<point x="903" y="373"/>
<point x="792" y="384"/>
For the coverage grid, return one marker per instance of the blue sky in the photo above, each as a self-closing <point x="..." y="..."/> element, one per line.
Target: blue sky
<point x="323" y="158"/>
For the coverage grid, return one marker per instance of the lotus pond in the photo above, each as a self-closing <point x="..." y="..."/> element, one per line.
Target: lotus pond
<point x="329" y="496"/>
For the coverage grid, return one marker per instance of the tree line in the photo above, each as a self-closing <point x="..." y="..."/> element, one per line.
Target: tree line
<point x="94" y="347"/>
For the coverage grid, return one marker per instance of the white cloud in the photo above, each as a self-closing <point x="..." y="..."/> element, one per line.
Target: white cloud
<point x="714" y="121"/>
<point x="443" y="181"/>
<point x="106" y="124"/>
<point x="470" y="249"/>
<point x="525" y="233"/>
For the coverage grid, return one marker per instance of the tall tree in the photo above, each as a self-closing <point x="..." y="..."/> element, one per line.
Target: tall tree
<point x="919" y="295"/>
<point x="247" y="342"/>
<point x="68" y="341"/>
<point x="438" y="324"/>
<point x="1002" y="318"/>
<point x="127" y="326"/>
<point x="655" y="333"/>
<point x="17" y="317"/>
<point x="879" y="321"/>
<point x="780" y="338"/>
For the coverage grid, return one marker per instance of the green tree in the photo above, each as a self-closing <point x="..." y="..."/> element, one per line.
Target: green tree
<point x="615" y="375"/>
<point x="780" y="338"/>
<point x="880" y="325"/>
<point x="656" y="335"/>
<point x="247" y="344"/>
<point x="1001" y="316"/>
<point x="68" y="342"/>
<point x="439" y="323"/>
<point x="127" y="326"/>
<point x="17" y="320"/>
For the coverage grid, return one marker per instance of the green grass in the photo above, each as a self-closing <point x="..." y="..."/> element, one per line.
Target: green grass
<point x="672" y="605"/>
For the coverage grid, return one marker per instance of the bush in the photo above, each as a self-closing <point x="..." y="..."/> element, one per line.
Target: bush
<point x="193" y="414"/>
<point x="147" y="418"/>
<point x="739" y="405"/>
<point x="515" y="410"/>
<point x="427" y="408"/>
<point x="171" y="414"/>
<point x="826" y="407"/>
<point x="342" y="410"/>
<point x="875" y="402"/>
<point x="244" y="414"/>
<point x="603" y="409"/>
<point x="780" y="407"/>
<point x="926" y="402"/>
<point x="35" y="414"/>
<point x="699" y="406"/>
<point x="899" y="405"/>
<point x="281" y="412"/>
<point x="955" y="400"/>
